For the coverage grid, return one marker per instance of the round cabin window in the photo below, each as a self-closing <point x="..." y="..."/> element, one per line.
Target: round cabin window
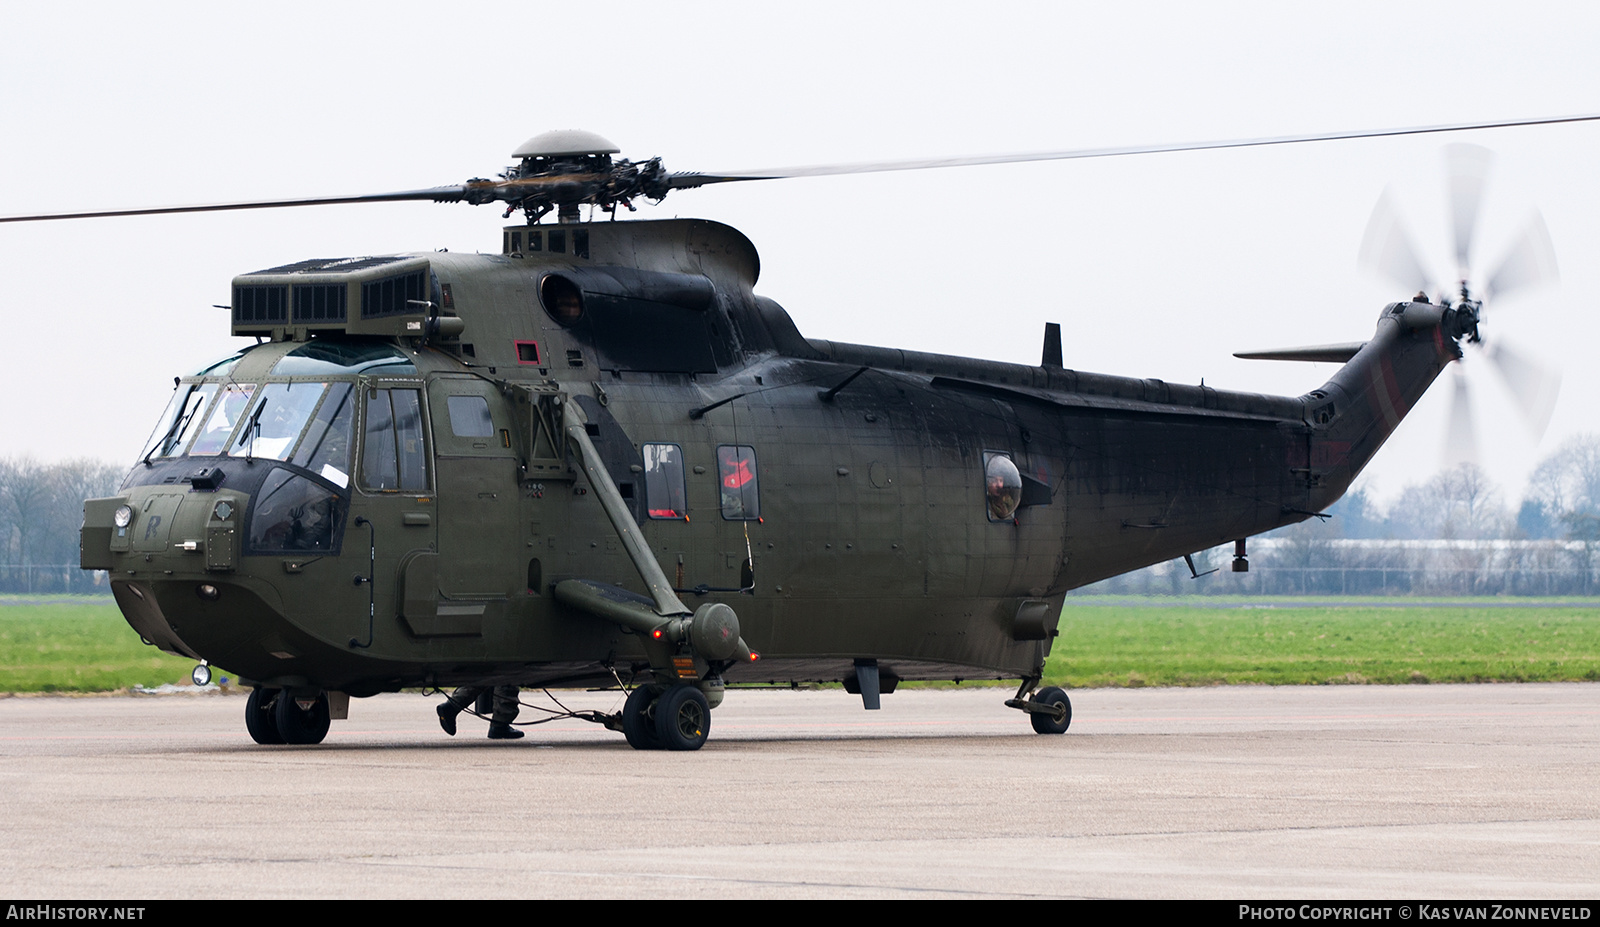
<point x="1002" y="487"/>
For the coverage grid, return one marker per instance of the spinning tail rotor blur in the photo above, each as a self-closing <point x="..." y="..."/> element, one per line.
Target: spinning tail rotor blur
<point x="1528" y="263"/>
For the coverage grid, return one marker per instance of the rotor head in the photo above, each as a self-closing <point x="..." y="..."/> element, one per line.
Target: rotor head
<point x="565" y="143"/>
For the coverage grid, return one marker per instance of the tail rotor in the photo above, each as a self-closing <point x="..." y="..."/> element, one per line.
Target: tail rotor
<point x="1388" y="250"/>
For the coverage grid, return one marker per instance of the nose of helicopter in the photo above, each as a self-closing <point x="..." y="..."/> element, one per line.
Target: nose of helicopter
<point x="173" y="555"/>
<point x="164" y="529"/>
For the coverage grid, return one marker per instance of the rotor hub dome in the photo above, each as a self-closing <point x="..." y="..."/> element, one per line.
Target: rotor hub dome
<point x="565" y="143"/>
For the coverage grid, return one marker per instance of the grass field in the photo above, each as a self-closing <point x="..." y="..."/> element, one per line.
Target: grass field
<point x="83" y="645"/>
<point x="1464" y="641"/>
<point x="78" y="644"/>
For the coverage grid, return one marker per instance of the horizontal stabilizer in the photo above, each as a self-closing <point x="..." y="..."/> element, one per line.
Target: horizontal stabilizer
<point x="1323" y="353"/>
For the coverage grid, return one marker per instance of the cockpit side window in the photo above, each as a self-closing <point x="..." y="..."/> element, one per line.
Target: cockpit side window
<point x="392" y="455"/>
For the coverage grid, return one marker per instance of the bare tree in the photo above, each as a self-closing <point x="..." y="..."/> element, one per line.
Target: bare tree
<point x="28" y="492"/>
<point x="41" y="510"/>
<point x="1569" y="479"/>
<point x="1567" y="486"/>
<point x="75" y="481"/>
<point x="1456" y="504"/>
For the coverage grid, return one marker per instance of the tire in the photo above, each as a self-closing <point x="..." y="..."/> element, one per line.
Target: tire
<point x="1048" y="723"/>
<point x="683" y="718"/>
<point x="301" y="726"/>
<point x="639" y="718"/>
<point x="259" y="716"/>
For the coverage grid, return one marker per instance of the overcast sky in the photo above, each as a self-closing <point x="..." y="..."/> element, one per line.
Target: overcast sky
<point x="1156" y="265"/>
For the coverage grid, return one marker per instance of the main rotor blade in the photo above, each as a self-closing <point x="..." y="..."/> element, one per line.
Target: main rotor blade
<point x="439" y="194"/>
<point x="1467" y="170"/>
<point x="1534" y="387"/>
<point x="481" y="191"/>
<point x="1386" y="248"/>
<point x="872" y="167"/>
<point x="1531" y="261"/>
<point x="1461" y="444"/>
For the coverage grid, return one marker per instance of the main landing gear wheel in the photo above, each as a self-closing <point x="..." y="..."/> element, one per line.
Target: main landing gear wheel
<point x="302" y="721"/>
<point x="639" y="718"/>
<point x="683" y="718"/>
<point x="260" y="716"/>
<point x="1055" y="721"/>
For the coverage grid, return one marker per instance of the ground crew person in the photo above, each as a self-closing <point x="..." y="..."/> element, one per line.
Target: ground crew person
<point x="505" y="710"/>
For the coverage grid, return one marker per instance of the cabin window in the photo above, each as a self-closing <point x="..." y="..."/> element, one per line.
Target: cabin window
<point x="736" y="478"/>
<point x="1002" y="486"/>
<point x="469" y="416"/>
<point x="663" y="482"/>
<point x="392" y="454"/>
<point x="225" y="413"/>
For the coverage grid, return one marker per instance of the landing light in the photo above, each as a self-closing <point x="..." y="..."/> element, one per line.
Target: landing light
<point x="201" y="675"/>
<point x="208" y="592"/>
<point x="123" y="516"/>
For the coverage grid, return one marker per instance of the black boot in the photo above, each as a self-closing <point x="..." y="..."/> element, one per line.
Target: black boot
<point x="447" y="716"/>
<point x="499" y="731"/>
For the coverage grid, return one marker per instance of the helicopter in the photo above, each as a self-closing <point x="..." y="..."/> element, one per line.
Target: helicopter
<point x="598" y="458"/>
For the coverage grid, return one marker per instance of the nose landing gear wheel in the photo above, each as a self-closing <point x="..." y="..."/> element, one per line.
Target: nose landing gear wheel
<point x="639" y="718"/>
<point x="260" y="717"/>
<point x="683" y="718"/>
<point x="1056" y="721"/>
<point x="302" y="724"/>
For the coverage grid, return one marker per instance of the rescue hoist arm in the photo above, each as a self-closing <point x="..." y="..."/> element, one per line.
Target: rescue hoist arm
<point x="711" y="631"/>
<point x="666" y="601"/>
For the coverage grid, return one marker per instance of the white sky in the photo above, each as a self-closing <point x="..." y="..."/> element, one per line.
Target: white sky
<point x="1158" y="265"/>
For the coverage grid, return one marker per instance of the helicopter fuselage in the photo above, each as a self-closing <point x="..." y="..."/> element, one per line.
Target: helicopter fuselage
<point x="386" y="491"/>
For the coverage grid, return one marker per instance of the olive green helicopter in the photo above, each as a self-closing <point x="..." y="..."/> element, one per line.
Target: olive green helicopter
<point x="597" y="458"/>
